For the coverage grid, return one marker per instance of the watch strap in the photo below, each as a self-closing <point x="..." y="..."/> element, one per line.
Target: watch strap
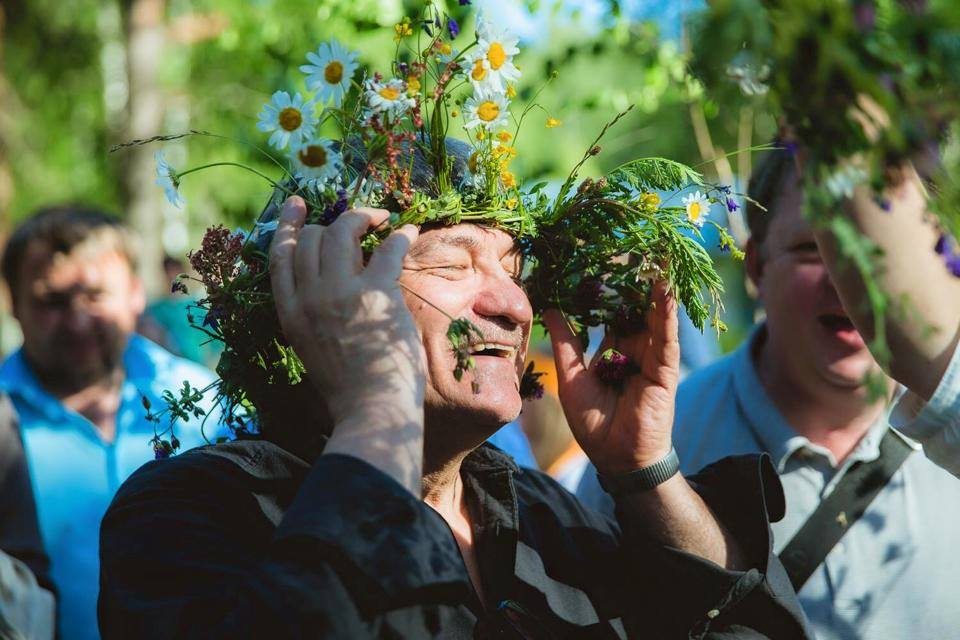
<point x="641" y="479"/>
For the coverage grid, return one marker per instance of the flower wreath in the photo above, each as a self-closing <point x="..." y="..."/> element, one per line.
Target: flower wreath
<point x="591" y="251"/>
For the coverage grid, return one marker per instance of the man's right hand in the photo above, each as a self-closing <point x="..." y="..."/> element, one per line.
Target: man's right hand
<point x="348" y="323"/>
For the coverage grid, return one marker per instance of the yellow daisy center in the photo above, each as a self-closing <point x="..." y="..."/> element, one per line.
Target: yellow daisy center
<point x="313" y="155"/>
<point x="389" y="93"/>
<point x="333" y="72"/>
<point x="488" y="111"/>
<point x="290" y="119"/>
<point x="694" y="211"/>
<point x="496" y="55"/>
<point x="478" y="73"/>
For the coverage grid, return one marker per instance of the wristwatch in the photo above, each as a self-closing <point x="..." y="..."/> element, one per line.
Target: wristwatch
<point x="641" y="479"/>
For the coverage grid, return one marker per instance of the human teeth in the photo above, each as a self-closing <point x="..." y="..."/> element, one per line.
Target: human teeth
<point x="501" y="350"/>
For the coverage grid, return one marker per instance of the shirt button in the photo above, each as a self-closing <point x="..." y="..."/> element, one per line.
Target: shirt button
<point x="713" y="613"/>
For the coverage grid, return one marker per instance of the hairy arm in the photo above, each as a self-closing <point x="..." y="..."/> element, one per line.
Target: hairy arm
<point x="923" y="332"/>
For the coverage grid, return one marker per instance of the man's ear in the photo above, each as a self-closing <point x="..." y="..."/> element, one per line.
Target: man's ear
<point x="753" y="262"/>
<point x="138" y="294"/>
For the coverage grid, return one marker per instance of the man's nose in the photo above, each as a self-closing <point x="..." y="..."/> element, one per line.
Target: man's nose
<point x="78" y="317"/>
<point x="502" y="298"/>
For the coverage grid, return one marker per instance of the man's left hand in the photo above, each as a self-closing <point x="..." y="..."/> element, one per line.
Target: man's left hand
<point x="622" y="430"/>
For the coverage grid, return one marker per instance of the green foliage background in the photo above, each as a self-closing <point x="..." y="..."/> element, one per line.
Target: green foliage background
<point x="66" y="97"/>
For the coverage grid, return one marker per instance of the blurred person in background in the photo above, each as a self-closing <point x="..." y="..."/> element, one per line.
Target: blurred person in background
<point x="77" y="383"/>
<point x="26" y="598"/>
<point x="796" y="390"/>
<point x="167" y="321"/>
<point x="554" y="445"/>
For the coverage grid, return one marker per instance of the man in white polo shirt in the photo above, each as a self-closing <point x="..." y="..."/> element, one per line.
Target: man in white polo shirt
<point x="795" y="390"/>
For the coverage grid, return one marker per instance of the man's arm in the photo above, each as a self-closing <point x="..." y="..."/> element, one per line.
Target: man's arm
<point x="330" y="569"/>
<point x="628" y="428"/>
<point x="923" y="333"/>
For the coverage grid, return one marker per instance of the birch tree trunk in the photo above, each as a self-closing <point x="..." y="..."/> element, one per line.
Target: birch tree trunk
<point x="145" y="42"/>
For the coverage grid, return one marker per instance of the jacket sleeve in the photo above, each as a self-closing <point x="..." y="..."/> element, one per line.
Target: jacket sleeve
<point x="354" y="556"/>
<point x="19" y="530"/>
<point x="700" y="599"/>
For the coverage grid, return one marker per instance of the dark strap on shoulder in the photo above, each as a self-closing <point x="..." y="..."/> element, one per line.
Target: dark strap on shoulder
<point x="844" y="506"/>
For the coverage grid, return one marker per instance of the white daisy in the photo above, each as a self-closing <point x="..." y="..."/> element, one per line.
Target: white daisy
<point x="316" y="162"/>
<point x="330" y="74"/>
<point x="492" y="62"/>
<point x="388" y="97"/>
<point x="290" y="121"/>
<point x="486" y="108"/>
<point x="167" y="178"/>
<point x="698" y="207"/>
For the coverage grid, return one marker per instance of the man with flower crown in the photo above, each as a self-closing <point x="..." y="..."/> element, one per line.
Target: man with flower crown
<point x="380" y="334"/>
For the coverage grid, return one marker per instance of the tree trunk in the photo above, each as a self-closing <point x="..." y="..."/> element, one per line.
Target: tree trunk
<point x="145" y="42"/>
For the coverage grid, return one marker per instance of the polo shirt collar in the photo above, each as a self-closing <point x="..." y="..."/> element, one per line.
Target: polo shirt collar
<point x="775" y="434"/>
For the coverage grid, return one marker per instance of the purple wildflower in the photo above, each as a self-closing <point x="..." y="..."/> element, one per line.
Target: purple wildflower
<point x="453" y="28"/>
<point x="725" y="188"/>
<point x="333" y="211"/>
<point x="613" y="367"/>
<point x="428" y="27"/>
<point x="732" y="205"/>
<point x="865" y="15"/>
<point x="212" y="319"/>
<point x="464" y="3"/>
<point x="530" y="386"/>
<point x="403" y="68"/>
<point x="946" y="247"/>
<point x="588" y="294"/>
<point x="162" y="449"/>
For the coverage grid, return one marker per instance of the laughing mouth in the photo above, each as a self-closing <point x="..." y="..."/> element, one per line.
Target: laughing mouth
<point x="493" y="349"/>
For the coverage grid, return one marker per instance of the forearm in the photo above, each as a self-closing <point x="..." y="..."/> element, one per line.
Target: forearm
<point x="921" y="332"/>
<point x="674" y="514"/>
<point x="388" y="435"/>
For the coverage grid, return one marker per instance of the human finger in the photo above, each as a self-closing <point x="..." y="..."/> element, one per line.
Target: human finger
<point x="664" y="325"/>
<point x="282" y="249"/>
<point x="567" y="350"/>
<point x="387" y="260"/>
<point x="341" y="246"/>
<point x="307" y="258"/>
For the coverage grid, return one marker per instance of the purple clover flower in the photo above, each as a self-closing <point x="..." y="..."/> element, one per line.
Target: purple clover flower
<point x="453" y="28"/>
<point x="613" y="367"/>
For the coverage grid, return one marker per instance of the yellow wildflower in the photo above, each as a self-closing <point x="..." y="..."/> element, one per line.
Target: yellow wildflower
<point x="511" y="204"/>
<point x="504" y="137"/>
<point x="511" y="92"/>
<point x="454" y="113"/>
<point x="553" y="122"/>
<point x="508" y="179"/>
<point x="504" y="151"/>
<point x="481" y="135"/>
<point x="413" y="84"/>
<point x="649" y="199"/>
<point x="401" y="30"/>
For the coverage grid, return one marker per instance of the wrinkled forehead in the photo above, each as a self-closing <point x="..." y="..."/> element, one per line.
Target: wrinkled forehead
<point x="86" y="265"/>
<point x="475" y="238"/>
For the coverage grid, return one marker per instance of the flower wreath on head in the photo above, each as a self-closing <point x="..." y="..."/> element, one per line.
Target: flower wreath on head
<point x="591" y="251"/>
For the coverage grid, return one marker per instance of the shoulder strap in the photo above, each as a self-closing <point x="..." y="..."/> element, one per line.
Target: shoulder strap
<point x="838" y="511"/>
